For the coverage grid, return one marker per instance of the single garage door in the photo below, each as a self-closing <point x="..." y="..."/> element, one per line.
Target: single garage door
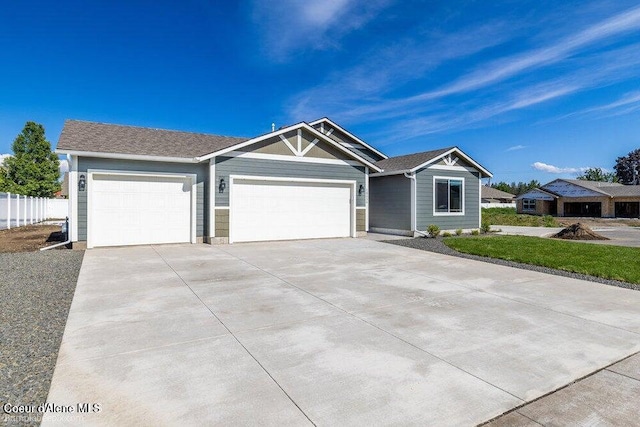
<point x="284" y="210"/>
<point x="138" y="209"/>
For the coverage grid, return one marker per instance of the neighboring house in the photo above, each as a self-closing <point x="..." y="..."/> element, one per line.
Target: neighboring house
<point x="573" y="197"/>
<point x="440" y="187"/>
<point x="492" y="197"/>
<point x="131" y="185"/>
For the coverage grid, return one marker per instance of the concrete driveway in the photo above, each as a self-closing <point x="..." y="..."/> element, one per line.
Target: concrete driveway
<point x="325" y="332"/>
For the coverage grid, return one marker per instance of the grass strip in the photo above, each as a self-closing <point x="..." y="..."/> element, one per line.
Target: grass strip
<point x="509" y="216"/>
<point x="606" y="261"/>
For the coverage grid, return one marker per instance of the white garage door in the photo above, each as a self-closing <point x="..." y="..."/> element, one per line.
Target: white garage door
<point x="276" y="210"/>
<point x="138" y="210"/>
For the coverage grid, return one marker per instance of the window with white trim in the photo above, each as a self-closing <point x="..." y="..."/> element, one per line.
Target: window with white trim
<point x="528" y="204"/>
<point x="448" y="196"/>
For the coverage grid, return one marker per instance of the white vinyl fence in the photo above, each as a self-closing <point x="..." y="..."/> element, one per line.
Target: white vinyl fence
<point x="17" y="210"/>
<point x="498" y="205"/>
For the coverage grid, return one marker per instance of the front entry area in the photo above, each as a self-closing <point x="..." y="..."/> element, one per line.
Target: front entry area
<point x="285" y="209"/>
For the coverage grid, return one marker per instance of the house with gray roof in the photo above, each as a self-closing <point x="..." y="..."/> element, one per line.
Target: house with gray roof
<point x="579" y="198"/>
<point x="493" y="195"/>
<point x="131" y="185"/>
<point x="439" y="187"/>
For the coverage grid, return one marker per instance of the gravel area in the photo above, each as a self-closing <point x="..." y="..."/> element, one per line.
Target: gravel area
<point x="37" y="289"/>
<point x="437" y="245"/>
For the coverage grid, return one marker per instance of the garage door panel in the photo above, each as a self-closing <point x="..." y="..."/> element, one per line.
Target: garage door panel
<point x="134" y="210"/>
<point x="268" y="210"/>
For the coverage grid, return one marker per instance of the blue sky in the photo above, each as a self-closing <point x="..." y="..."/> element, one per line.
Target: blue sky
<point x="531" y="89"/>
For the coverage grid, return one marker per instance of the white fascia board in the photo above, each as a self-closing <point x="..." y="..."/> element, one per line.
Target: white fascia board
<point x="302" y="125"/>
<point x="250" y="141"/>
<point x="461" y="154"/>
<point x="288" y="158"/>
<point x="121" y="156"/>
<point x="395" y="172"/>
<point x="343" y="130"/>
<point x="340" y="147"/>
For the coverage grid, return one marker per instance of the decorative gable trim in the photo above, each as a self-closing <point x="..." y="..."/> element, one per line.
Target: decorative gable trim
<point x="324" y="121"/>
<point x="297" y="151"/>
<point x="449" y="160"/>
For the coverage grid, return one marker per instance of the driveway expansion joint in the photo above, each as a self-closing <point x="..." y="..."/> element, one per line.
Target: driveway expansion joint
<point x="236" y="338"/>
<point x="382" y="330"/>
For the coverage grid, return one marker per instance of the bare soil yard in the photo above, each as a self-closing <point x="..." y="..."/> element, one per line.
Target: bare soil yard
<point x="598" y="222"/>
<point x="29" y="238"/>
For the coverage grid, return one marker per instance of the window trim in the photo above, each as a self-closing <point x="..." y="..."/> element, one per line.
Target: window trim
<point x="526" y="208"/>
<point x="449" y="179"/>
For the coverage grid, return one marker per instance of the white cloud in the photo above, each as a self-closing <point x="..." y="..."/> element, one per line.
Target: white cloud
<point x="361" y="93"/>
<point x="290" y="26"/>
<point x="2" y="157"/>
<point x="555" y="169"/>
<point x="64" y="166"/>
<point x="503" y="69"/>
<point x="516" y="147"/>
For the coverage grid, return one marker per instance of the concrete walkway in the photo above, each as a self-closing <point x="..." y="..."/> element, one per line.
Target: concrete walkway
<point x="325" y="332"/>
<point x="609" y="397"/>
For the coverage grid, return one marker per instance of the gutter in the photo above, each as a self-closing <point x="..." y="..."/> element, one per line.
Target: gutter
<point x="67" y="240"/>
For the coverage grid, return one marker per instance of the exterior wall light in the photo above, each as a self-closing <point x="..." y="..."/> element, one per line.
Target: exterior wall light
<point x="222" y="186"/>
<point x="82" y="182"/>
<point x="361" y="190"/>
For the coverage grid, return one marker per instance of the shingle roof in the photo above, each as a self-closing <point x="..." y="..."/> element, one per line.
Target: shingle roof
<point x="409" y="161"/>
<point x="108" y="138"/>
<point x="494" y="193"/>
<point x="623" y="190"/>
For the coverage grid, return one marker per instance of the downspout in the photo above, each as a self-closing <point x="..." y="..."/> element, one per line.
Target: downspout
<point x="67" y="240"/>
<point x="414" y="227"/>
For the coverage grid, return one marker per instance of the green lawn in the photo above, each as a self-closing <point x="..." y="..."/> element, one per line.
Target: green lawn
<point x="508" y="216"/>
<point x="606" y="261"/>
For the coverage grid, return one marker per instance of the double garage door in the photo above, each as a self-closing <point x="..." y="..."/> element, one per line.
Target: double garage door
<point x="139" y="209"/>
<point x="270" y="209"/>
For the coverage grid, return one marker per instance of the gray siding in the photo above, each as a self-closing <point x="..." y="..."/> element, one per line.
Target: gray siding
<point x="226" y="166"/>
<point x="390" y="202"/>
<point x="366" y="153"/>
<point x="424" y="200"/>
<point x="201" y="170"/>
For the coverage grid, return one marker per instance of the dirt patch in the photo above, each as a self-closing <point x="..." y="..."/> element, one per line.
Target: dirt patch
<point x="578" y="231"/>
<point x="598" y="222"/>
<point x="30" y="238"/>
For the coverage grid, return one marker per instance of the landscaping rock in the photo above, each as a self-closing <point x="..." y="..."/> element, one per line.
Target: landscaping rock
<point x="578" y="231"/>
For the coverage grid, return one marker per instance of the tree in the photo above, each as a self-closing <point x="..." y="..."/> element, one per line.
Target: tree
<point x="628" y="168"/>
<point x="517" y="188"/>
<point x="598" y="174"/>
<point x="33" y="170"/>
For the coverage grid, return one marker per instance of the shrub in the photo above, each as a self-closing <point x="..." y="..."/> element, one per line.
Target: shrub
<point x="446" y="234"/>
<point x="475" y="232"/>
<point x="485" y="227"/>
<point x="549" y="221"/>
<point x="433" y="230"/>
<point x="459" y="232"/>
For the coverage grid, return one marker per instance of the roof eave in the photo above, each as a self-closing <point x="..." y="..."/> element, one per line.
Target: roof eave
<point x="341" y="129"/>
<point x="124" y="156"/>
<point x="301" y="125"/>
<point x="477" y="165"/>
